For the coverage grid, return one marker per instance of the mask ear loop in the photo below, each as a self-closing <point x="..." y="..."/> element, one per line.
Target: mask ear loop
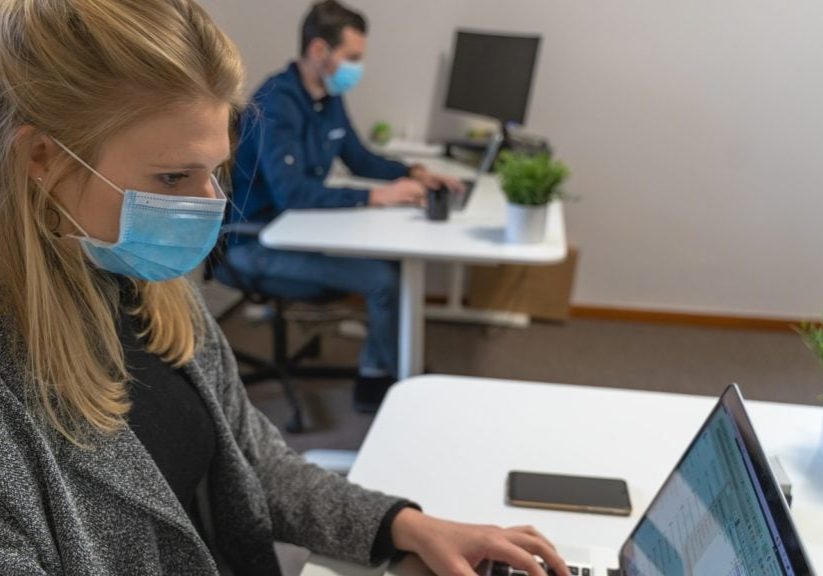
<point x="92" y="170"/>
<point x="58" y="208"/>
<point x="50" y="209"/>
<point x="73" y="221"/>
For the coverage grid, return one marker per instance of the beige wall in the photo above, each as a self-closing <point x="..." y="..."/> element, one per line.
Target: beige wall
<point x="694" y="130"/>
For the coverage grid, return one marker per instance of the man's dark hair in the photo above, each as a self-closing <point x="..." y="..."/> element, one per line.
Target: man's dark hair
<point x="326" y="20"/>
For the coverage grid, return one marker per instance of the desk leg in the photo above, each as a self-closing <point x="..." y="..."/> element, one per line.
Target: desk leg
<point x="454" y="311"/>
<point x="412" y="289"/>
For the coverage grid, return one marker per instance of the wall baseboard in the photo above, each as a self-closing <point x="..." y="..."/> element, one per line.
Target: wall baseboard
<point x="677" y="318"/>
<point x="686" y="318"/>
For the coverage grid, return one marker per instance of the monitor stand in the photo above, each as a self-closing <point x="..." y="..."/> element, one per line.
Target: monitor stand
<point x="472" y="145"/>
<point x="465" y="144"/>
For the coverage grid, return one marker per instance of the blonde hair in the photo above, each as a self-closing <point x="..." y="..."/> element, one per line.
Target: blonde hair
<point x="80" y="71"/>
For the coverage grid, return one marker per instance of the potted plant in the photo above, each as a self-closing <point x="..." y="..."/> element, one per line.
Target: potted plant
<point x="530" y="182"/>
<point x="381" y="133"/>
<point x="813" y="337"/>
<point x="812" y="334"/>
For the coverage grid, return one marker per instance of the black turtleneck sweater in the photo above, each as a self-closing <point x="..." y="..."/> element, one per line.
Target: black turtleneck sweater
<point x="167" y="414"/>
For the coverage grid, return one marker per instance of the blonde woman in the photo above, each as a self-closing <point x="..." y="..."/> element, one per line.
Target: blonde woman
<point x="119" y="398"/>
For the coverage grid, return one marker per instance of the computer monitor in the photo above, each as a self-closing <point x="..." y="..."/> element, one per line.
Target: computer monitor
<point x="492" y="75"/>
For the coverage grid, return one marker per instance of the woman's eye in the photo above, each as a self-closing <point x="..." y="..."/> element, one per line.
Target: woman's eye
<point x="172" y="179"/>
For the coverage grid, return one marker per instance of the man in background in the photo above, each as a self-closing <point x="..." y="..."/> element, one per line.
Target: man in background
<point x="293" y="130"/>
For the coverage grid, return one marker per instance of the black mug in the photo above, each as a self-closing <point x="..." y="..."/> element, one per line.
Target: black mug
<point x="438" y="204"/>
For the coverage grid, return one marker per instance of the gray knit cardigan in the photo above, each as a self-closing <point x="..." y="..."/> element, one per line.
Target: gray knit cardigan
<point x="70" y="511"/>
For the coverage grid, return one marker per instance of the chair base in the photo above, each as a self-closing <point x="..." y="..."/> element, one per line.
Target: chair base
<point x="291" y="368"/>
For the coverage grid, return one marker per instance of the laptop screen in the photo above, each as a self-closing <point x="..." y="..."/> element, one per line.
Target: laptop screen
<point x="712" y="515"/>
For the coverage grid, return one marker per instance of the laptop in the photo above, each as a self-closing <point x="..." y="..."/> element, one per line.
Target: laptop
<point x="459" y="201"/>
<point x="720" y="512"/>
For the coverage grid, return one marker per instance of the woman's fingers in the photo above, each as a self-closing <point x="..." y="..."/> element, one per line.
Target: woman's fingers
<point x="459" y="566"/>
<point x="506" y="549"/>
<point x="538" y="546"/>
<point x="532" y="531"/>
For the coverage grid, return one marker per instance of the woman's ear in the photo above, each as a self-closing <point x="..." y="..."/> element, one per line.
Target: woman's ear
<point x="40" y="149"/>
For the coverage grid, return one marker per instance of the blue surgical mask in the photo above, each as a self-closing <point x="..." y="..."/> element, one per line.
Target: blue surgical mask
<point x="346" y="77"/>
<point x="161" y="236"/>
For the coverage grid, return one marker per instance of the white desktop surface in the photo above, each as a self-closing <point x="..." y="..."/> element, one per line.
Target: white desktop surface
<point x="473" y="235"/>
<point x="449" y="442"/>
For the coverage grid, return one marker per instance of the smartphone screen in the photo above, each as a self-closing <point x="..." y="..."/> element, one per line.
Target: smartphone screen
<point x="570" y="493"/>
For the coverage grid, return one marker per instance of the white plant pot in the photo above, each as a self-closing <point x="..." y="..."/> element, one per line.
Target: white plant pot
<point x="525" y="224"/>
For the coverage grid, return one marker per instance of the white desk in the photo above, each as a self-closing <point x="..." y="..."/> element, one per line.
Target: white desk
<point x="474" y="235"/>
<point x="448" y="443"/>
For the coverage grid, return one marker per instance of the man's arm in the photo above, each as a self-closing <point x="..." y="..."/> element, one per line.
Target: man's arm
<point x="365" y="163"/>
<point x="276" y="133"/>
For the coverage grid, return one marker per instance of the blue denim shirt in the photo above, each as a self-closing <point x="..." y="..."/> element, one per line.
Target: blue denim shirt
<point x="287" y="143"/>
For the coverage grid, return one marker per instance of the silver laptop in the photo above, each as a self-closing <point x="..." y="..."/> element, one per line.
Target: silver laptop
<point x="459" y="201"/>
<point x="720" y="512"/>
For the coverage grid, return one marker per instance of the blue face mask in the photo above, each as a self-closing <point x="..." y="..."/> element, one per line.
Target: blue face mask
<point x="161" y="236"/>
<point x="346" y="77"/>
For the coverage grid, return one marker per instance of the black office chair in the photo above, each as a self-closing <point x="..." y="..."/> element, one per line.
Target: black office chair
<point x="282" y="366"/>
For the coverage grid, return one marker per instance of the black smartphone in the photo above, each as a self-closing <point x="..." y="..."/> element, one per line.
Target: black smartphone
<point x="569" y="493"/>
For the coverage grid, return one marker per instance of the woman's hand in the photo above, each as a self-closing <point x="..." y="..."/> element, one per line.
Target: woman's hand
<point x="454" y="549"/>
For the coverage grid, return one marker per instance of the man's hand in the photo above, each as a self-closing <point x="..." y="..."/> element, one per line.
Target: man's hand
<point x="454" y="549"/>
<point x="402" y="191"/>
<point x="436" y="181"/>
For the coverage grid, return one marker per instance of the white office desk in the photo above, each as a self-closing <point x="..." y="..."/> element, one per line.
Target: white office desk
<point x="448" y="443"/>
<point x="474" y="235"/>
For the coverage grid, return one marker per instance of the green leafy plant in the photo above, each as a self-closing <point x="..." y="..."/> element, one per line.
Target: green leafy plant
<point x="531" y="179"/>
<point x="381" y="132"/>
<point x="812" y="334"/>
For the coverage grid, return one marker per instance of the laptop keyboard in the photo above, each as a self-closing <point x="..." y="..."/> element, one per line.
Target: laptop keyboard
<point x="574" y="570"/>
<point x="459" y="201"/>
<point x="501" y="569"/>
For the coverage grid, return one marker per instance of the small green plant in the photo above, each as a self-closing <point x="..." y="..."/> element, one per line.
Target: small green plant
<point x="812" y="334"/>
<point x="381" y="132"/>
<point x="531" y="179"/>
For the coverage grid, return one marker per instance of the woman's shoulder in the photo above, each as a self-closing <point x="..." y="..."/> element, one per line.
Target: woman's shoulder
<point x="16" y="415"/>
<point x="210" y="326"/>
<point x="11" y="362"/>
<point x="15" y="418"/>
<point x="212" y="347"/>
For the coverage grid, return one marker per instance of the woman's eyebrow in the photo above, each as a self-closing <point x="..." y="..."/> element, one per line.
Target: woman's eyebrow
<point x="192" y="166"/>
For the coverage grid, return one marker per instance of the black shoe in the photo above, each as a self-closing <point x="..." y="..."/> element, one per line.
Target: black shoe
<point x="370" y="391"/>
